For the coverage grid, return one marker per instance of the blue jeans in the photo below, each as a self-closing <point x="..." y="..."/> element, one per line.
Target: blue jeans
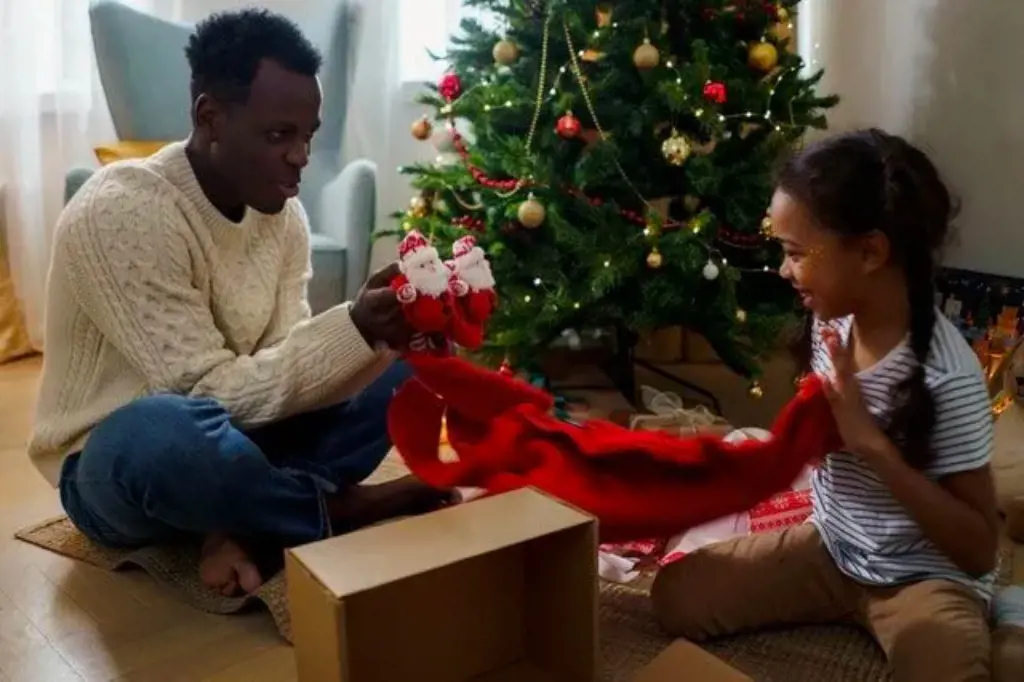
<point x="164" y="466"/>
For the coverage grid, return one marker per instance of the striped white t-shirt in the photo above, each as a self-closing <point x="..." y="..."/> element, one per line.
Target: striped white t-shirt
<point x="868" y="533"/>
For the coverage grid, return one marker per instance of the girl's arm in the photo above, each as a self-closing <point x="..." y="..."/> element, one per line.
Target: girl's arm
<point x="958" y="513"/>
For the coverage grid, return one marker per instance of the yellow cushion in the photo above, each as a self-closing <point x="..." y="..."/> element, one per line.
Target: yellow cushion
<point x="127" y="149"/>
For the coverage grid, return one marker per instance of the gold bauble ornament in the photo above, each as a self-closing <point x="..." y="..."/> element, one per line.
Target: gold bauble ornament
<point x="646" y="56"/>
<point x="755" y="391"/>
<point x="418" y="206"/>
<point x="421" y="128"/>
<point x="763" y="56"/>
<point x="655" y="259"/>
<point x="781" y="31"/>
<point x="691" y="202"/>
<point x="531" y="213"/>
<point x="766" y="226"/>
<point x="505" y="52"/>
<point x="676" y="149"/>
<point x="782" y="14"/>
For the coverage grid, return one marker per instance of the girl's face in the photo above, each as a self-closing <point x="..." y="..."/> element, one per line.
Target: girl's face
<point x="827" y="271"/>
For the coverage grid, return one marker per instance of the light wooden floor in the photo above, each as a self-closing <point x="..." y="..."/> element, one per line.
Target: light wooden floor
<point x="61" y="620"/>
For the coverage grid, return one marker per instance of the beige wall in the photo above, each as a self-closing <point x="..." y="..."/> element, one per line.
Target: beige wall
<point x="946" y="73"/>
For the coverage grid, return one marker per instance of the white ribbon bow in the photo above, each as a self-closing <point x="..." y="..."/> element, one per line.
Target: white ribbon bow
<point x="668" y="408"/>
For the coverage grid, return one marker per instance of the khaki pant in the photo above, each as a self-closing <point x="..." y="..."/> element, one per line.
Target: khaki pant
<point x="931" y="631"/>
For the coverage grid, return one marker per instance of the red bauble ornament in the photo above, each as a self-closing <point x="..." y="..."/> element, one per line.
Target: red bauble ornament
<point x="568" y="126"/>
<point x="715" y="92"/>
<point x="450" y="86"/>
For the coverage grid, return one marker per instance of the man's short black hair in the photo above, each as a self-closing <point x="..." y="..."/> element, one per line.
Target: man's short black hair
<point x="226" y="49"/>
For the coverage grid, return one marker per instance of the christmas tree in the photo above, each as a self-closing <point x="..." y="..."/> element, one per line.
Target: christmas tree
<point x="615" y="161"/>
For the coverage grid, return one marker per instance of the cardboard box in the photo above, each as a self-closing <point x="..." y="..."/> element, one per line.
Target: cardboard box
<point x="684" y="661"/>
<point x="500" y="589"/>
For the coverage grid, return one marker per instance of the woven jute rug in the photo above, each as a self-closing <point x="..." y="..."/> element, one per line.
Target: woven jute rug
<point x="630" y="638"/>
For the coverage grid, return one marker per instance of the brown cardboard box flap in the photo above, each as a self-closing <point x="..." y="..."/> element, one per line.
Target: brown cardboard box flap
<point x="501" y="589"/>
<point x="353" y="563"/>
<point x="684" y="661"/>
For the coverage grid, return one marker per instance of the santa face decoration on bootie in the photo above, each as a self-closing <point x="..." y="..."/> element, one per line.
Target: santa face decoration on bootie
<point x="422" y="286"/>
<point x="454" y="298"/>
<point x="472" y="287"/>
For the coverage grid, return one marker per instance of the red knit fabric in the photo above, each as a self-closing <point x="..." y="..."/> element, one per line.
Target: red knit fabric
<point x="638" y="484"/>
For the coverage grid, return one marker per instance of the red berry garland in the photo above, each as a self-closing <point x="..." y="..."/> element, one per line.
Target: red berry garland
<point x="469" y="223"/>
<point x="730" y="237"/>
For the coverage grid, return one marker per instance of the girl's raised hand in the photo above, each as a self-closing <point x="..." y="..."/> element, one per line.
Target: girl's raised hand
<point x="858" y="429"/>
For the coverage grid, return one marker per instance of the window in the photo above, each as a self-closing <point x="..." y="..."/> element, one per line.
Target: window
<point x="425" y="26"/>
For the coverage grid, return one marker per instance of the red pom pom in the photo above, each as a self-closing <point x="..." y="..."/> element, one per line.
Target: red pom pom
<point x="568" y="126"/>
<point x="450" y="86"/>
<point x="715" y="92"/>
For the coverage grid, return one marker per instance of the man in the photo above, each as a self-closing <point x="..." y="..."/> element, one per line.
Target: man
<point x="186" y="387"/>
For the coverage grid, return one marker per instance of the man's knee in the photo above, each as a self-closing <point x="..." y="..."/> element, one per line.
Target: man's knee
<point x="150" y="432"/>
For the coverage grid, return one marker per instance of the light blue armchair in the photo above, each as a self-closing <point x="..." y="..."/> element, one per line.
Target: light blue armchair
<point x="145" y="78"/>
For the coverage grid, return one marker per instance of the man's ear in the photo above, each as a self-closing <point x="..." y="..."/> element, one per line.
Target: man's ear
<point x="206" y="114"/>
<point x="875" y="251"/>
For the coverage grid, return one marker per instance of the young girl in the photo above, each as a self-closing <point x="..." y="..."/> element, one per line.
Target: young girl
<point x="904" y="535"/>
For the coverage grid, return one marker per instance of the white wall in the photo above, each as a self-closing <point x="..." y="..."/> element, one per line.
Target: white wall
<point x="946" y="74"/>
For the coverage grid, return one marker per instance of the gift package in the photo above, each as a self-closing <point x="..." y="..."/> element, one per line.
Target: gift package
<point x="666" y="412"/>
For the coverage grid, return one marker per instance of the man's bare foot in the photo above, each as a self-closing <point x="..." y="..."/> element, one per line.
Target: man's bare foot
<point x="364" y="505"/>
<point x="225" y="567"/>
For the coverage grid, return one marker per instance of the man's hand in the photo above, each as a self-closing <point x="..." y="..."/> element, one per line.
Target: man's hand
<point x="377" y="313"/>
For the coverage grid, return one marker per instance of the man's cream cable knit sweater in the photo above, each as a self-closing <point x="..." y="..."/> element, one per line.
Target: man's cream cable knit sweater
<point x="152" y="290"/>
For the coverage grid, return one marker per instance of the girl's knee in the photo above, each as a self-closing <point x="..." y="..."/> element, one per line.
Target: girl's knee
<point x="1008" y="653"/>
<point x="676" y="599"/>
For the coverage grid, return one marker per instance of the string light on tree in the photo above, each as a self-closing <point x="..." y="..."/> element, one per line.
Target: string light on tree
<point x="741" y="315"/>
<point x="418" y="207"/>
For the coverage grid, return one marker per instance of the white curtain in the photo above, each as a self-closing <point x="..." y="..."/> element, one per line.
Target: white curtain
<point x="52" y="115"/>
<point x="50" y="111"/>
